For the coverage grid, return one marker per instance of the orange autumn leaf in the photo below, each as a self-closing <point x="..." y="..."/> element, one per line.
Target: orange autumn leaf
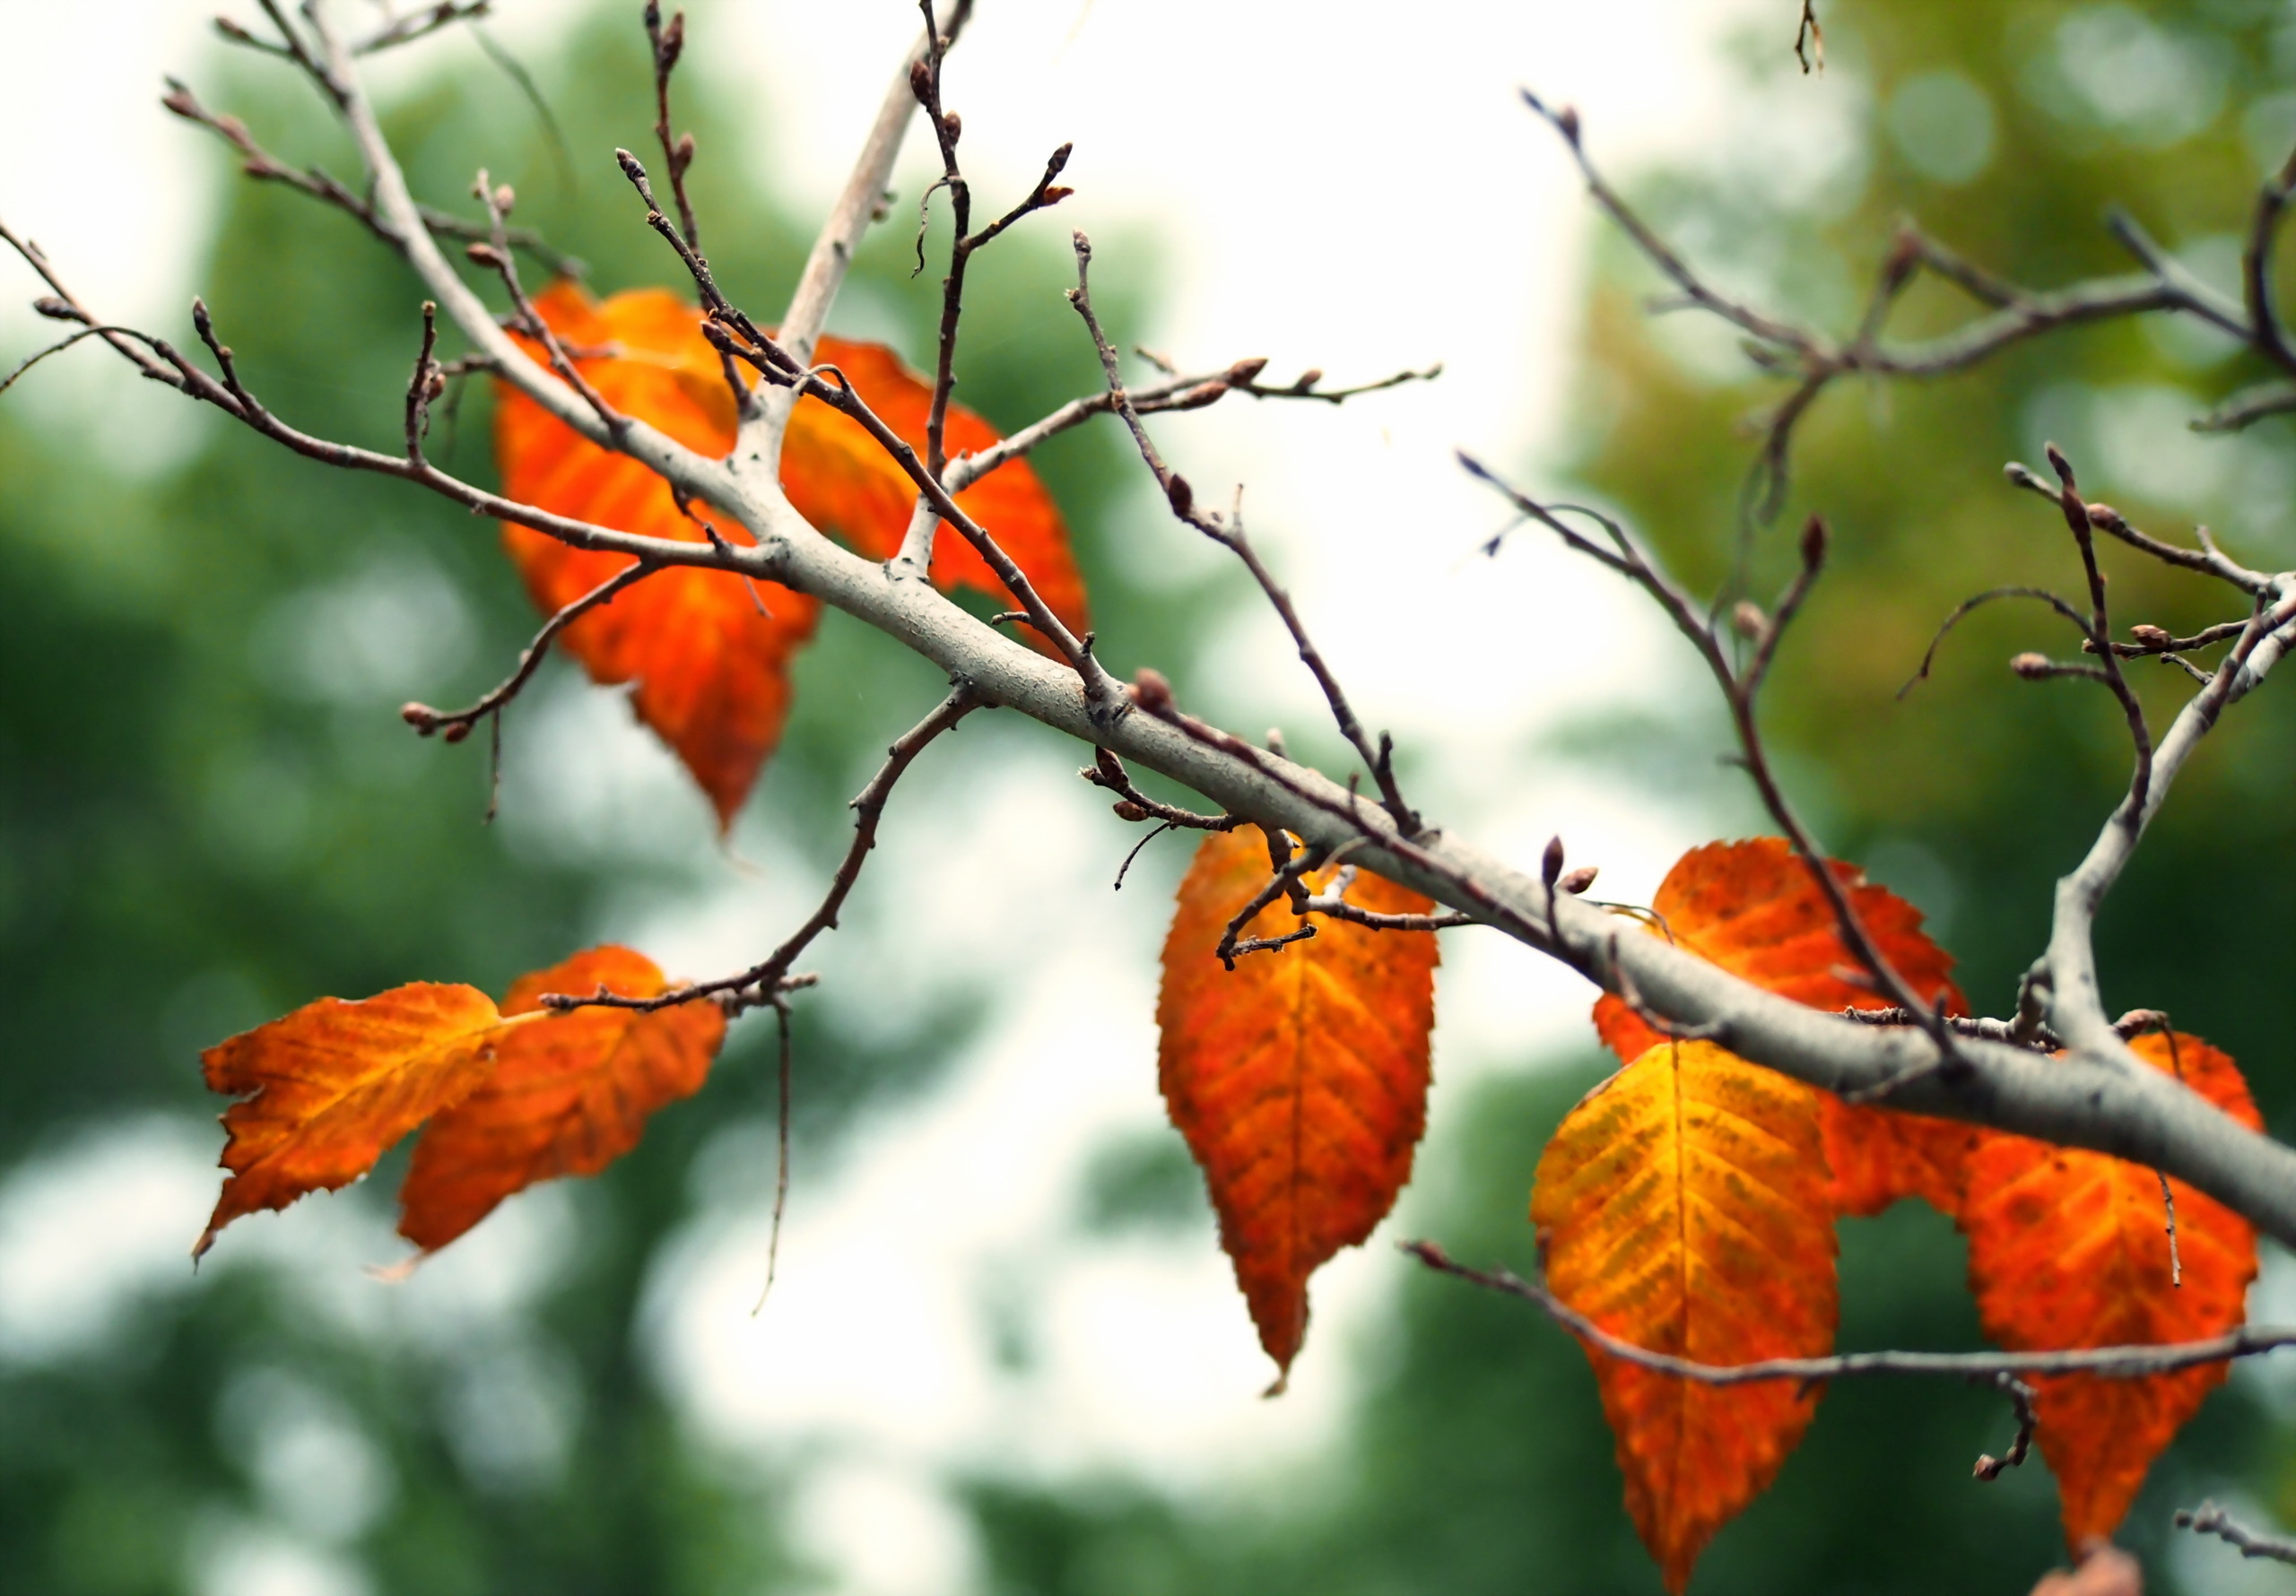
<point x="1751" y="908"/>
<point x="1682" y="1207"/>
<point x="712" y="670"/>
<point x="327" y="1089"/>
<point x="2069" y="1248"/>
<point x="708" y="652"/>
<point x="1299" y="1078"/>
<point x="568" y="1095"/>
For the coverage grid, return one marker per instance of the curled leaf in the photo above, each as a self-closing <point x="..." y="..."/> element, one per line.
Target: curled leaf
<point x="329" y="1088"/>
<point x="568" y="1094"/>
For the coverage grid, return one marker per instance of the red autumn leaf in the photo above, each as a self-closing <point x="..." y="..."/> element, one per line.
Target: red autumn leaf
<point x="712" y="670"/>
<point x="335" y="1084"/>
<point x="568" y="1094"/>
<point x="2069" y="1248"/>
<point x="1682" y="1207"/>
<point x="1299" y="1078"/>
<point x="1753" y="909"/>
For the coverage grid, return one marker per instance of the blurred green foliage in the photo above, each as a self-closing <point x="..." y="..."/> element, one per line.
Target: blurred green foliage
<point x="209" y="813"/>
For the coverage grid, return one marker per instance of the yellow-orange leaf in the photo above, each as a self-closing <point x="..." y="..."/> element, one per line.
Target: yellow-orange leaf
<point x="1299" y="1078"/>
<point x="1753" y="909"/>
<point x="330" y="1087"/>
<point x="2069" y="1248"/>
<point x="711" y="671"/>
<point x="568" y="1094"/>
<point x="1682" y="1207"/>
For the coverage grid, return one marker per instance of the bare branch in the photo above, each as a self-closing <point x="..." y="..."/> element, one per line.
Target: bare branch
<point x="2209" y="1519"/>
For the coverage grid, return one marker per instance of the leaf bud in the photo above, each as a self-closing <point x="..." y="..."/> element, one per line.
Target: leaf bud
<point x="2059" y="464"/>
<point x="1567" y="119"/>
<point x="1127" y="809"/>
<point x="953" y="125"/>
<point x="682" y="157"/>
<point x="1575" y="883"/>
<point x="1308" y="379"/>
<point x="2152" y="637"/>
<point x="2032" y="667"/>
<point x="506" y="198"/>
<point x="1747" y="619"/>
<point x="1813" y="542"/>
<point x="1246" y="370"/>
<point x="485" y="254"/>
<point x="1182" y="496"/>
<point x="1551" y="862"/>
<point x="421" y="716"/>
<point x="55" y="309"/>
<point x="1151" y="692"/>
<point x="920" y="79"/>
<point x="458" y="731"/>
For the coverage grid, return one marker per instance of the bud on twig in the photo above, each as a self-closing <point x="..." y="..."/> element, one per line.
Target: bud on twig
<point x="1747" y="619"/>
<point x="505" y="197"/>
<point x="1813" y="542"/>
<point x="1182" y="496"/>
<point x="55" y="309"/>
<point x="1151" y="692"/>
<point x="421" y="716"/>
<point x="2032" y="667"/>
<point x="953" y="126"/>
<point x="1551" y="862"/>
<point x="485" y="254"/>
<point x="2152" y="637"/>
<point x="1127" y="809"/>
<point x="2059" y="464"/>
<point x="1575" y="883"/>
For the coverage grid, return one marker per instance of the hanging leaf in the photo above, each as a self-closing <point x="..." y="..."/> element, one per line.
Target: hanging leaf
<point x="710" y="652"/>
<point x="1299" y="1078"/>
<point x="2069" y="1248"/>
<point x="329" y="1088"/>
<point x="1753" y="909"/>
<point x="1683" y="1208"/>
<point x="567" y="1096"/>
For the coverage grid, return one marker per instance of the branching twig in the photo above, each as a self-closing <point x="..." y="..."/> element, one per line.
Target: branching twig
<point x="2209" y="1519"/>
<point x="763" y="982"/>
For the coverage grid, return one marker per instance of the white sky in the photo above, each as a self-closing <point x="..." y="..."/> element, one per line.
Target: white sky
<point x="1350" y="187"/>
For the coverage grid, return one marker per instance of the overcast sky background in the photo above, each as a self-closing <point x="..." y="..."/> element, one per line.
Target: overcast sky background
<point x="1352" y="187"/>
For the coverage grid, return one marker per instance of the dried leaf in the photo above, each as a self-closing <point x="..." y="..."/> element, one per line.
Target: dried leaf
<point x="569" y="1095"/>
<point x="330" y="1087"/>
<point x="1683" y="1208"/>
<point x="1753" y="909"/>
<point x="711" y="671"/>
<point x="2069" y="1248"/>
<point x="1299" y="1078"/>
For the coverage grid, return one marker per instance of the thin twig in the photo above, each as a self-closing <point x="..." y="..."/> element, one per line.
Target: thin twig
<point x="2209" y="1519"/>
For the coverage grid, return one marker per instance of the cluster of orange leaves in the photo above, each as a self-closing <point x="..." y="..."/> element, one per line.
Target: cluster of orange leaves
<point x="1687" y="1205"/>
<point x="519" y="1093"/>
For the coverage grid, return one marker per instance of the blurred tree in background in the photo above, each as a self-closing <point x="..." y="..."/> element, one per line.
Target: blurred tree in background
<point x="211" y="811"/>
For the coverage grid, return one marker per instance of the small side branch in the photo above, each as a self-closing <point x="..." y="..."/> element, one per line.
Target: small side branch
<point x="2209" y="1519"/>
<point x="2132" y="1362"/>
<point x="764" y="983"/>
<point x="1228" y="531"/>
